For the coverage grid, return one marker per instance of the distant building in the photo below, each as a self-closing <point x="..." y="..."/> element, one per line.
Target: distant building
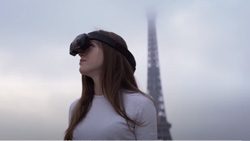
<point x="154" y="81"/>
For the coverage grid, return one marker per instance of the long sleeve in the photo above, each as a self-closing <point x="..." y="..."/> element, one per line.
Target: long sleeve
<point x="146" y="113"/>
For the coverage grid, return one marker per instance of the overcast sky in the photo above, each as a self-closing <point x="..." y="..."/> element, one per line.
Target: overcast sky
<point x="203" y="51"/>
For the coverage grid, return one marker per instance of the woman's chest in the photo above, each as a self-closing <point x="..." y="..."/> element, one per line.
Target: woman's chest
<point x="103" y="123"/>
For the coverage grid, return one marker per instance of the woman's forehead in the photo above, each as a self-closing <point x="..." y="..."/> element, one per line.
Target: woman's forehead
<point x="94" y="41"/>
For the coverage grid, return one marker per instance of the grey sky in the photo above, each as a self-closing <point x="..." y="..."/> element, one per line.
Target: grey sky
<point x="203" y="51"/>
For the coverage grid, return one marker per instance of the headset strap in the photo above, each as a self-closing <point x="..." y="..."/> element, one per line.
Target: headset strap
<point x="117" y="46"/>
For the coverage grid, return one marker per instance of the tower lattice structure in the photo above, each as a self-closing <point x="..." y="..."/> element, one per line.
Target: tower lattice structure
<point x="154" y="81"/>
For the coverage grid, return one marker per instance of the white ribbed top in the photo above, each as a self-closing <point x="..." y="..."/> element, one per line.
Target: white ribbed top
<point x="103" y="123"/>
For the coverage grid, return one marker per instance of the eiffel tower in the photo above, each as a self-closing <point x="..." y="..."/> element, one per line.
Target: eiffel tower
<point x="154" y="81"/>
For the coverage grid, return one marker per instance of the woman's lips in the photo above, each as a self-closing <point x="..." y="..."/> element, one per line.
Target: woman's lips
<point x="82" y="60"/>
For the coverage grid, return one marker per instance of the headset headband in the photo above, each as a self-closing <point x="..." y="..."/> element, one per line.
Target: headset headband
<point x="96" y="35"/>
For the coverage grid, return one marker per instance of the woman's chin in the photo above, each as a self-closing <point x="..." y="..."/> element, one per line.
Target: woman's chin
<point x="82" y="71"/>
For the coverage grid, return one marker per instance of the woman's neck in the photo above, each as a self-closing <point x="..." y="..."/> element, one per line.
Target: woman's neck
<point x="97" y="85"/>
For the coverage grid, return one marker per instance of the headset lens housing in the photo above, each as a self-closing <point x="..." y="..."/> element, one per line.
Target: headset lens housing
<point x="80" y="44"/>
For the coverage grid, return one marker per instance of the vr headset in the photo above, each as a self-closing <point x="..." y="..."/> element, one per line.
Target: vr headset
<point x="82" y="42"/>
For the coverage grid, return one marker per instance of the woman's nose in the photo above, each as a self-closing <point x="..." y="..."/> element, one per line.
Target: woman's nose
<point x="81" y="53"/>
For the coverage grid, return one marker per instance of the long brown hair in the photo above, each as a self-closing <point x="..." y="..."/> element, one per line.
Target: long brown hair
<point x="117" y="77"/>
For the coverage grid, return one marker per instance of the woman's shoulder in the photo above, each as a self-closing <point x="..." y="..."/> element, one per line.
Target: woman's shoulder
<point x="137" y="99"/>
<point x="73" y="104"/>
<point x="139" y="106"/>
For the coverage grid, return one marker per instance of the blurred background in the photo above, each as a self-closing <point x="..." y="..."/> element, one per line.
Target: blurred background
<point x="203" y="52"/>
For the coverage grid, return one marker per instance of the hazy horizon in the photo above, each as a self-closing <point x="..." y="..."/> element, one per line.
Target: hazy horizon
<point x="203" y="55"/>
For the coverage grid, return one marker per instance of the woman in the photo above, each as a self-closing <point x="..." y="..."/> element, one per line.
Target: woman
<point x="111" y="106"/>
